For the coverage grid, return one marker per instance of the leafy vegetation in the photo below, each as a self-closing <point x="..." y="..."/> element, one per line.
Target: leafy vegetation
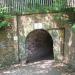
<point x="73" y="27"/>
<point x="5" y="20"/>
<point x="55" y="6"/>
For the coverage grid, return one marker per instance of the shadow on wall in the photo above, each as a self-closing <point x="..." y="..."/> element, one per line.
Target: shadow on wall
<point x="39" y="45"/>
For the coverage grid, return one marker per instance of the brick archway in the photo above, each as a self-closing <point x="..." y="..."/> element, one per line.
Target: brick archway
<point x="39" y="45"/>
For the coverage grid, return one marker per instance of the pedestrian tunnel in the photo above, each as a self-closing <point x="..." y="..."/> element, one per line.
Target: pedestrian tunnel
<point x="39" y="45"/>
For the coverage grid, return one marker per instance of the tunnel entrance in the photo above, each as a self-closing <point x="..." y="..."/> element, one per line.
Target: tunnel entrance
<point x="39" y="45"/>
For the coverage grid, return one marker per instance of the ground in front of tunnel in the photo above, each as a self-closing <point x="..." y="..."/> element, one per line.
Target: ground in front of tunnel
<point x="43" y="67"/>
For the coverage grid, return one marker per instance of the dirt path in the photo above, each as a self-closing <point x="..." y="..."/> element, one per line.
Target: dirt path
<point x="44" y="67"/>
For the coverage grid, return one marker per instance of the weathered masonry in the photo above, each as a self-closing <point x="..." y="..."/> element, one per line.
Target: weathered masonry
<point x="37" y="34"/>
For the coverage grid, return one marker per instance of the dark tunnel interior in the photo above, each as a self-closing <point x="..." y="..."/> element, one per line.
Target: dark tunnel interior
<point x="39" y="45"/>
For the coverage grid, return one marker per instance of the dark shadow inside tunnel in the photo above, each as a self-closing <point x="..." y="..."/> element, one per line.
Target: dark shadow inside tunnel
<point x="39" y="45"/>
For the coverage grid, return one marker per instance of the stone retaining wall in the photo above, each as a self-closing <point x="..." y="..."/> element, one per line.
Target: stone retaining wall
<point x="8" y="47"/>
<point x="12" y="47"/>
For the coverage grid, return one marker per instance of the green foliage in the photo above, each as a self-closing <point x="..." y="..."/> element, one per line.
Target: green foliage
<point x="73" y="28"/>
<point x="37" y="9"/>
<point x="4" y="24"/>
<point x="57" y="5"/>
<point x="4" y="18"/>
